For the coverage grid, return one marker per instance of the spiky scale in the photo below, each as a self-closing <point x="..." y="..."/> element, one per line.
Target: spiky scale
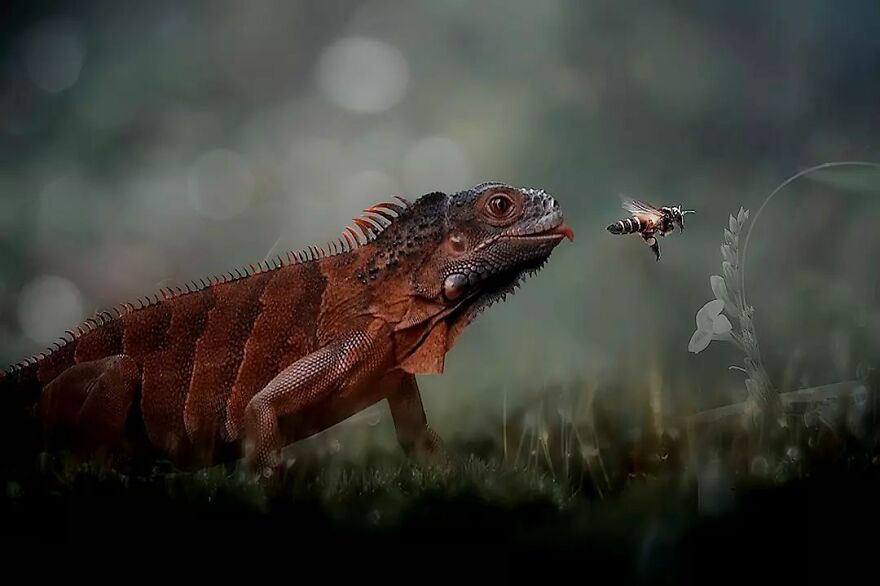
<point x="366" y="226"/>
<point x="373" y="222"/>
<point x="348" y="240"/>
<point x="385" y="210"/>
<point x="354" y="235"/>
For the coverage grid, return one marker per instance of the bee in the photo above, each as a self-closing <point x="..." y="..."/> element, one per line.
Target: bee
<point x="649" y="222"/>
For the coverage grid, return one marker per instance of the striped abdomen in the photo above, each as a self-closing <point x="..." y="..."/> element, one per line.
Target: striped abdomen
<point x="630" y="225"/>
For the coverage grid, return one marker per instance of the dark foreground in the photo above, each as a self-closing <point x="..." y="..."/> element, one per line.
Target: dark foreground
<point x="652" y="531"/>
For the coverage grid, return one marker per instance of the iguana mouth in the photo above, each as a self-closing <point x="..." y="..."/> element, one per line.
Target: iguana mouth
<point x="558" y="232"/>
<point x="551" y="226"/>
<point x="566" y="231"/>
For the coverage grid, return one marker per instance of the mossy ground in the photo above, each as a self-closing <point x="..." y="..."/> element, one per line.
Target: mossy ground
<point x="670" y="525"/>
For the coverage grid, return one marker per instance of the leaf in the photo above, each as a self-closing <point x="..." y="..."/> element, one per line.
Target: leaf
<point x="730" y="238"/>
<point x="707" y="314"/>
<point x="699" y="341"/>
<point x="718" y="288"/>
<point x="734" y="226"/>
<point x="741" y="216"/>
<point x="721" y="325"/>
<point x="729" y="274"/>
<point x="720" y="291"/>
<point x="728" y="254"/>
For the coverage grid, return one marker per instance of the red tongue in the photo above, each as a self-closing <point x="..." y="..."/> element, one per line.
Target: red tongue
<point x="566" y="231"/>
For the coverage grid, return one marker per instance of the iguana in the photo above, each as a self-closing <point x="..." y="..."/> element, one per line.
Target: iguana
<point x="240" y="366"/>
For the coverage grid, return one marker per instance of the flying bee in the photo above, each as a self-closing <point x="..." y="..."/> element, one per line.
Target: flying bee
<point x="649" y="222"/>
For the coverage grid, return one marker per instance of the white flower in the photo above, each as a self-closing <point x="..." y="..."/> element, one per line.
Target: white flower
<point x="711" y="325"/>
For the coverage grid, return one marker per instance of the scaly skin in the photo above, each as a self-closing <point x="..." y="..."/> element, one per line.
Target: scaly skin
<point x="242" y="366"/>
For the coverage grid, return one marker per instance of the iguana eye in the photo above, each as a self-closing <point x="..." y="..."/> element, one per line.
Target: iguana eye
<point x="499" y="205"/>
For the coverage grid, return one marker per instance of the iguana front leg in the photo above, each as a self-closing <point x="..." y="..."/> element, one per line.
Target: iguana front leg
<point x="413" y="432"/>
<point x="340" y="368"/>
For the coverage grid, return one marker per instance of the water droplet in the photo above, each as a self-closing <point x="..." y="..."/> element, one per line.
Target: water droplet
<point x="47" y="306"/>
<point x="54" y="53"/>
<point x="363" y="75"/>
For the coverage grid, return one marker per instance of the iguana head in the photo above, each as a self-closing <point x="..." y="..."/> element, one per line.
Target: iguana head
<point x="460" y="253"/>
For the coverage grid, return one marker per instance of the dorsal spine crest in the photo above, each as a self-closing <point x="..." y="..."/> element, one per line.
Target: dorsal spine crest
<point x="374" y="220"/>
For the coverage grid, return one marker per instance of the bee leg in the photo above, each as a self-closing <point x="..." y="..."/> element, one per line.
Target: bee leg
<point x="651" y="241"/>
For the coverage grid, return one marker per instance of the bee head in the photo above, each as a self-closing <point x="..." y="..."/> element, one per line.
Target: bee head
<point x="677" y="216"/>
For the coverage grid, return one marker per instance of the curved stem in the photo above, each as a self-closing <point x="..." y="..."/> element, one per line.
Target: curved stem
<point x="742" y="255"/>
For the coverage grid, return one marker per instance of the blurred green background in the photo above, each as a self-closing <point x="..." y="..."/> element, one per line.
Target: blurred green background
<point x="148" y="144"/>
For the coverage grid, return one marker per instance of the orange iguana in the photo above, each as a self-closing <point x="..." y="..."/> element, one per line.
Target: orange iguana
<point x="242" y="365"/>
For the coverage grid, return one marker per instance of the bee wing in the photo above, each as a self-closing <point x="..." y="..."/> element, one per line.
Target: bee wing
<point x="636" y="206"/>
